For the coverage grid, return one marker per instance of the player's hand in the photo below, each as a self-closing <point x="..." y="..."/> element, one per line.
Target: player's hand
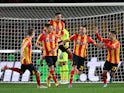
<point x="58" y="36"/>
<point x="100" y="45"/>
<point x="41" y="48"/>
<point x="103" y="46"/>
<point x="64" y="42"/>
<point x="96" y="30"/>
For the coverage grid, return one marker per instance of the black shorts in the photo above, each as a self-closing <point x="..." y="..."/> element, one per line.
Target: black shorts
<point x="79" y="62"/>
<point x="30" y="67"/>
<point x="110" y="66"/>
<point x="61" y="47"/>
<point x="51" y="60"/>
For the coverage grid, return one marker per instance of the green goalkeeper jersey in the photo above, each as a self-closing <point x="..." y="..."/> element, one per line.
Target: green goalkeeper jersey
<point x="66" y="36"/>
<point x="64" y="57"/>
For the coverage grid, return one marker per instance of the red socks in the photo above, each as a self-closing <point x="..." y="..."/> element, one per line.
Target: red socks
<point x="38" y="79"/>
<point x="49" y="76"/>
<point x="53" y="76"/>
<point x="71" y="76"/>
<point x="19" y="70"/>
<point x="70" y="56"/>
<point x="104" y="78"/>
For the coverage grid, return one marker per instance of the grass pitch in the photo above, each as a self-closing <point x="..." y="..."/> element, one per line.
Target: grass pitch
<point x="77" y="88"/>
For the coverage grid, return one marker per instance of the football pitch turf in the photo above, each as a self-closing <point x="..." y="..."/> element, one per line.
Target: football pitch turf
<point x="77" y="88"/>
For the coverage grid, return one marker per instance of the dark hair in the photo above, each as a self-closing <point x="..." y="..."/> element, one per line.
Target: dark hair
<point x="57" y="13"/>
<point x="84" y="26"/>
<point x="47" y="25"/>
<point x="113" y="32"/>
<point x="63" y="21"/>
<point x="30" y="31"/>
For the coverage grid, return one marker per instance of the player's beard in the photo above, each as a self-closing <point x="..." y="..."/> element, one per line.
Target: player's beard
<point x="110" y="38"/>
<point x="58" y="20"/>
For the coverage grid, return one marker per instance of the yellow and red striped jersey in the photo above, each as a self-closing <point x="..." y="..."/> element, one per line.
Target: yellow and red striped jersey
<point x="27" y="51"/>
<point x="81" y="44"/>
<point x="49" y="42"/>
<point x="113" y="48"/>
<point x="58" y="27"/>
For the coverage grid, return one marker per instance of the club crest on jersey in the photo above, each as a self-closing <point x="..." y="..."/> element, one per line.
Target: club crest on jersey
<point x="49" y="40"/>
<point x="79" y="43"/>
<point x="57" y="30"/>
<point x="54" y="28"/>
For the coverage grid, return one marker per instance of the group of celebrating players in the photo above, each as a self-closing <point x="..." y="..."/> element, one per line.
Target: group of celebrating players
<point x="53" y="42"/>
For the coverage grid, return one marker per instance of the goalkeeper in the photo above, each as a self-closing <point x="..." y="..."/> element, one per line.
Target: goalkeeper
<point x="63" y="60"/>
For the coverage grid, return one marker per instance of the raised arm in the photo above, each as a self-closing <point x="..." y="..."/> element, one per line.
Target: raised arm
<point x="104" y="40"/>
<point x="90" y="40"/>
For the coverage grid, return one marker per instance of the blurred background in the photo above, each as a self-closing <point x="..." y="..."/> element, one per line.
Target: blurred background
<point x="56" y="1"/>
